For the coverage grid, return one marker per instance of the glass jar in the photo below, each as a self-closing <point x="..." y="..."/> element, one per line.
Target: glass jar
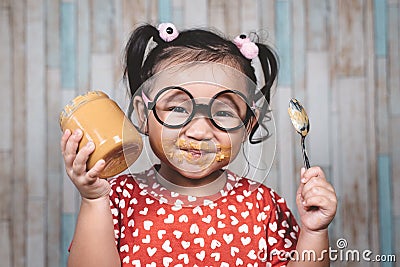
<point x="102" y="121"/>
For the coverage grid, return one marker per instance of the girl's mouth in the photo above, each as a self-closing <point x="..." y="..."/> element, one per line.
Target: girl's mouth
<point x="201" y="147"/>
<point x="193" y="154"/>
<point x="197" y="150"/>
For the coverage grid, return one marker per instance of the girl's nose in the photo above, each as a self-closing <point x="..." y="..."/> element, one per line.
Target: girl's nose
<point x="200" y="128"/>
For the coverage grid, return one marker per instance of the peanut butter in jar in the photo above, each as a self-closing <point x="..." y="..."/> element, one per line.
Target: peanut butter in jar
<point x="102" y="121"/>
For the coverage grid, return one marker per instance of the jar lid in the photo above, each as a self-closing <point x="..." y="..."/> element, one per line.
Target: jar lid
<point x="78" y="101"/>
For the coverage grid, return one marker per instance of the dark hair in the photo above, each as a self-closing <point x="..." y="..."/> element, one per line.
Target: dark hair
<point x="197" y="45"/>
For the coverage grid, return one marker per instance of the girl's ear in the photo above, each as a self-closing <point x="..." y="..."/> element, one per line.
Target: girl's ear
<point x="251" y="124"/>
<point x="141" y="114"/>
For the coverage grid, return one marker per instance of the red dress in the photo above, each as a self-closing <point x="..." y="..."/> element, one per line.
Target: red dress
<point x="247" y="224"/>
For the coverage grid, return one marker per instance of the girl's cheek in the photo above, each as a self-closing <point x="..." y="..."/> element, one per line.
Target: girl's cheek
<point x="230" y="145"/>
<point x="223" y="154"/>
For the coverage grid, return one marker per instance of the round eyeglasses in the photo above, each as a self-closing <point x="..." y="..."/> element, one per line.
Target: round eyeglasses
<point x="174" y="107"/>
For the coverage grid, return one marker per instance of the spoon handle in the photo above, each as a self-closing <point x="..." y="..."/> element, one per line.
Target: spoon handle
<point x="303" y="149"/>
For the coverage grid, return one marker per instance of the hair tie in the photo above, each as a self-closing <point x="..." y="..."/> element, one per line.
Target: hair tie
<point x="248" y="48"/>
<point x="168" y="31"/>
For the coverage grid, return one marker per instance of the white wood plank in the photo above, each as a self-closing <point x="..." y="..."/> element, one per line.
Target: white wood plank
<point x="152" y="11"/>
<point x="19" y="187"/>
<point x="69" y="192"/>
<point x="195" y="15"/>
<point x="231" y="17"/>
<point x="299" y="59"/>
<point x="350" y="51"/>
<point x="335" y="178"/>
<point x="5" y="81"/>
<point x="134" y="13"/>
<point x="54" y="179"/>
<point x="84" y="45"/>
<point x="288" y="143"/>
<point x="102" y="74"/>
<point x="36" y="97"/>
<point x="5" y="243"/>
<point x="354" y="162"/>
<point x="249" y="16"/>
<point x="318" y="107"/>
<point x="335" y="142"/>
<point x="36" y="233"/>
<point x="53" y="33"/>
<point x="6" y="185"/>
<point x="299" y="48"/>
<point x="120" y="94"/>
<point x="266" y="20"/>
<point x="273" y="179"/>
<point x="371" y="125"/>
<point x="216" y="15"/>
<point x="36" y="123"/>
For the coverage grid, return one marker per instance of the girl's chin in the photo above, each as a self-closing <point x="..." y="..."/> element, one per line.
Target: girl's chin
<point x="195" y="164"/>
<point x="195" y="171"/>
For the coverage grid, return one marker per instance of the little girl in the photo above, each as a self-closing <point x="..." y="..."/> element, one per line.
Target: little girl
<point x="195" y="96"/>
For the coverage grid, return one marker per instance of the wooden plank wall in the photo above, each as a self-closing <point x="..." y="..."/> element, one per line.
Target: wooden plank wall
<point x="341" y="59"/>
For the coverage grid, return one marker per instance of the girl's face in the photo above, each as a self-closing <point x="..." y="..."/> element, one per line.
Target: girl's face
<point x="198" y="149"/>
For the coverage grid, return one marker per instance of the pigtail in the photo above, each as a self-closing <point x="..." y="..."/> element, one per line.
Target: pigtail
<point x="269" y="65"/>
<point x="134" y="54"/>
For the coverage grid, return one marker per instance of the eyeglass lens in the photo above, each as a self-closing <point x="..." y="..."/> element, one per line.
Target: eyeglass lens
<point x="176" y="107"/>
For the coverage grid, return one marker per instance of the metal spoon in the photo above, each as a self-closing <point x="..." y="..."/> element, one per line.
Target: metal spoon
<point x="301" y="123"/>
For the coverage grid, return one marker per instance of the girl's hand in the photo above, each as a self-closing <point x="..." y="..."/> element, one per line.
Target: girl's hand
<point x="89" y="185"/>
<point x="316" y="200"/>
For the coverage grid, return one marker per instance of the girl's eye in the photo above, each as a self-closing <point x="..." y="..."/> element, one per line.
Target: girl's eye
<point x="223" y="113"/>
<point x="178" y="109"/>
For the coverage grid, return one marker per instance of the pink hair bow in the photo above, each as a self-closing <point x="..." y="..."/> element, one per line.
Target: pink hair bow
<point x="168" y="31"/>
<point x="248" y="48"/>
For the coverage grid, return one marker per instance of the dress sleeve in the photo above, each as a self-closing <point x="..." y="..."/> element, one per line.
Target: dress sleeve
<point x="282" y="232"/>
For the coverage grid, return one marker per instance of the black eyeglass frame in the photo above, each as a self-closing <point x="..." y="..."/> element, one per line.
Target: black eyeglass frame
<point x="151" y="105"/>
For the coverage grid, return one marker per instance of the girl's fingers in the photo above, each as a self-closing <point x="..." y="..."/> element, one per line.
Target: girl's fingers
<point x="322" y="202"/>
<point x="317" y="182"/>
<point x="64" y="139"/>
<point x="302" y="180"/>
<point x="95" y="171"/>
<point x="79" y="164"/>
<point x="312" y="172"/>
<point x="71" y="147"/>
<point x="318" y="191"/>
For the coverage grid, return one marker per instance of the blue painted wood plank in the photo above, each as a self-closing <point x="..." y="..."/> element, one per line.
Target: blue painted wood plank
<point x="53" y="33"/>
<point x="102" y="26"/>
<point x="83" y="46"/>
<point x="385" y="206"/>
<point x="68" y="228"/>
<point x="284" y="41"/>
<point x="164" y="11"/>
<point x="380" y="20"/>
<point x="317" y="38"/>
<point x="68" y="45"/>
